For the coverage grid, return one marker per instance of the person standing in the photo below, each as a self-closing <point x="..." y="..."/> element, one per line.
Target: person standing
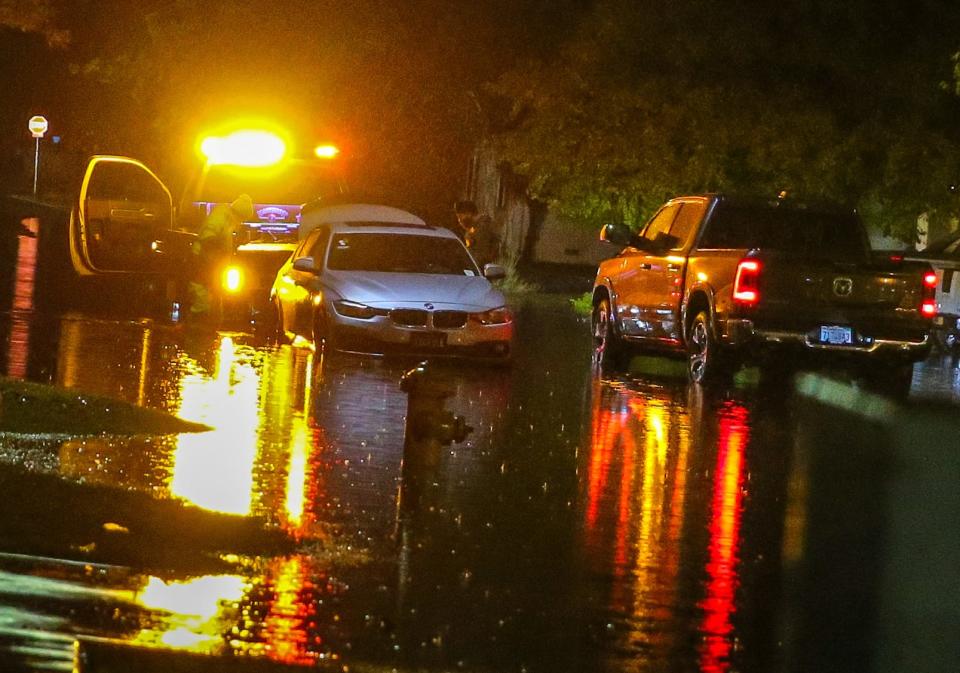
<point x="212" y="251"/>
<point x="478" y="233"/>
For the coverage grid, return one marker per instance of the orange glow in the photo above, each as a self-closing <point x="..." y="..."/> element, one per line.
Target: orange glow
<point x="326" y="151"/>
<point x="233" y="279"/>
<point x="250" y="148"/>
<point x="719" y="603"/>
<point x="607" y="427"/>
<point x="630" y="473"/>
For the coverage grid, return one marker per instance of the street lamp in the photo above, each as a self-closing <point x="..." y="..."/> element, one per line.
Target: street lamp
<point x="37" y="126"/>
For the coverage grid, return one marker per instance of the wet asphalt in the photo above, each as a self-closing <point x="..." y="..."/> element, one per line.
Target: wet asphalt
<point x="588" y="521"/>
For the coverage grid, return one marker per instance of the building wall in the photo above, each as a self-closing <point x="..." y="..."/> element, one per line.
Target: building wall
<point x="501" y="194"/>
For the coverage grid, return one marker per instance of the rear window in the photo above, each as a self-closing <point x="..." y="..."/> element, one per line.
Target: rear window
<point x="814" y="234"/>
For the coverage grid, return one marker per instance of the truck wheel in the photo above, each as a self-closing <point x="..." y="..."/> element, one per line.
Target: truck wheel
<point x="706" y="363"/>
<point x="609" y="349"/>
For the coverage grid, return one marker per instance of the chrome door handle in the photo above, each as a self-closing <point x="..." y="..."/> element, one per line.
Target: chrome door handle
<point x="646" y="267"/>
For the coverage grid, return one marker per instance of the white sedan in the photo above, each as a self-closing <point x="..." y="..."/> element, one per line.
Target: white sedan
<point x="374" y="279"/>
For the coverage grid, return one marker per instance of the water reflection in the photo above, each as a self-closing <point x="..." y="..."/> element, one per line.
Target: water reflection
<point x="215" y="470"/>
<point x="586" y="524"/>
<point x="719" y="604"/>
<point x="657" y="450"/>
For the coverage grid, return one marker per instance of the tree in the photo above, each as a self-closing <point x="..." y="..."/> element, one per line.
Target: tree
<point x="390" y="82"/>
<point x="34" y="16"/>
<point x="826" y="102"/>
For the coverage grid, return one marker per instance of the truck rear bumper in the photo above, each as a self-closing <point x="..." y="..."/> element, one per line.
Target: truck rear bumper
<point x="743" y="334"/>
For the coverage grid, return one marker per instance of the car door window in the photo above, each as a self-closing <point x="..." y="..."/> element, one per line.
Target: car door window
<point x="318" y="249"/>
<point x="306" y="244"/>
<point x="661" y="222"/>
<point x="690" y="214"/>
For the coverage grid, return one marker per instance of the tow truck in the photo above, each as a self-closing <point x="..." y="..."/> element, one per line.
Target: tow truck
<point x="257" y="163"/>
<point x="116" y="243"/>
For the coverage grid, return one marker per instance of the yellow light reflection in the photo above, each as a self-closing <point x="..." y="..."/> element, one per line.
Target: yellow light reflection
<point x="193" y="614"/>
<point x="297" y="475"/>
<point x="185" y="639"/>
<point x="199" y="598"/>
<point x="214" y="470"/>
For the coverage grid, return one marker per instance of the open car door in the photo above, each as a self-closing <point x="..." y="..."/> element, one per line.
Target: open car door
<point x="123" y="222"/>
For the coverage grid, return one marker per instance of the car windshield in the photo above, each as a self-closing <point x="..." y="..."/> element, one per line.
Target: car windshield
<point x="811" y="234"/>
<point x="400" y="253"/>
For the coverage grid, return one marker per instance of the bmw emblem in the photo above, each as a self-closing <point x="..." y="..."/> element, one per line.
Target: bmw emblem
<point x="428" y="306"/>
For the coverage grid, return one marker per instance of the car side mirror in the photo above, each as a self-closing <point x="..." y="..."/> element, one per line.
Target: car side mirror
<point x="618" y="234"/>
<point x="305" y="264"/>
<point x="494" y="272"/>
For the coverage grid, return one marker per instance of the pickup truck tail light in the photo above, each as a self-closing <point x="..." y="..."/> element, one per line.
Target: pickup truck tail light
<point x="928" y="307"/>
<point x="746" y="284"/>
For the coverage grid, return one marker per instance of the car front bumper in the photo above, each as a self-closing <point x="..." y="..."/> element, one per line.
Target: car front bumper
<point x="380" y="335"/>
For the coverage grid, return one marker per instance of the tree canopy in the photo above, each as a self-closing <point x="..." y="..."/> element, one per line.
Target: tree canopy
<point x="606" y="106"/>
<point x="825" y="101"/>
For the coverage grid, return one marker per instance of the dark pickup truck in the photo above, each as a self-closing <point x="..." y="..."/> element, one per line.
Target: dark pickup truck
<point x="729" y="282"/>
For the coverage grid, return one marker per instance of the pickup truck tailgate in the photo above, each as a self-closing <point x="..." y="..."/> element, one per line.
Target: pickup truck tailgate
<point x="883" y="300"/>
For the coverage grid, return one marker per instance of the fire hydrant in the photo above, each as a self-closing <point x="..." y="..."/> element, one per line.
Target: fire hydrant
<point x="429" y="428"/>
<point x="429" y="425"/>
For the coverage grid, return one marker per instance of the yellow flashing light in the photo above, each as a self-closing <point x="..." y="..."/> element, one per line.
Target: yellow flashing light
<point x="326" y="151"/>
<point x="233" y="279"/>
<point x="244" y="148"/>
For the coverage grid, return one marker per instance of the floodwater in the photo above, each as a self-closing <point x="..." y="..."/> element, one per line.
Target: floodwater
<point x="587" y="523"/>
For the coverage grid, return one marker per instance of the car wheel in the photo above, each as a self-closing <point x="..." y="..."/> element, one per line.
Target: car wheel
<point x="706" y="361"/>
<point x="322" y="335"/>
<point x="609" y="349"/>
<point x="276" y="329"/>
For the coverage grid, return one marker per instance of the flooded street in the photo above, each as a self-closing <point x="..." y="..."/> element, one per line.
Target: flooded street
<point x="585" y="524"/>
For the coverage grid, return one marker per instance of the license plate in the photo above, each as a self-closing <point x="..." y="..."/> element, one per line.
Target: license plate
<point x="428" y="339"/>
<point x="834" y="335"/>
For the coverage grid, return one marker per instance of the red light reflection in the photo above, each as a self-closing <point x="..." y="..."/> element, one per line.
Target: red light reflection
<point x="722" y="563"/>
<point x="285" y="627"/>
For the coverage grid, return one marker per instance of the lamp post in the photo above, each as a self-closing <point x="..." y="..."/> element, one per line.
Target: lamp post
<point x="37" y="126"/>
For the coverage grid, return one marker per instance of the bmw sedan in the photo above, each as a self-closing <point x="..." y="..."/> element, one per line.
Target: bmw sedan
<point x="373" y="279"/>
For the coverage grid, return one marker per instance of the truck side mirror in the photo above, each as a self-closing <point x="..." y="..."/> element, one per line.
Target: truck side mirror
<point x="618" y="234"/>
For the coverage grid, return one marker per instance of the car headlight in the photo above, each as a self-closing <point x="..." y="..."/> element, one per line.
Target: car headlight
<point x="352" y="309"/>
<point x="233" y="279"/>
<point x="497" y="316"/>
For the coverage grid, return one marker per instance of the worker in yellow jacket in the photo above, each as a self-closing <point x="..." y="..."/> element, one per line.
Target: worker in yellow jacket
<point x="212" y="252"/>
